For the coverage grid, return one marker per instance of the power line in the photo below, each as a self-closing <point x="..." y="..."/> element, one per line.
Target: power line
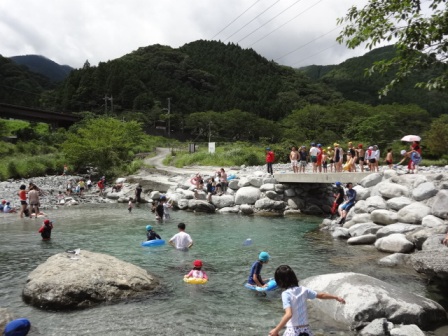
<point x="295" y="17"/>
<point x="269" y="20"/>
<point x="235" y="19"/>
<point x="253" y="19"/>
<point x="304" y="45"/>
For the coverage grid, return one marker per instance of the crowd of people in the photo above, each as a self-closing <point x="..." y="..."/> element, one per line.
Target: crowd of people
<point x="216" y="185"/>
<point x="352" y="159"/>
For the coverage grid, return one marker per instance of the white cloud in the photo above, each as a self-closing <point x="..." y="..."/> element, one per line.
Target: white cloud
<point x="70" y="32"/>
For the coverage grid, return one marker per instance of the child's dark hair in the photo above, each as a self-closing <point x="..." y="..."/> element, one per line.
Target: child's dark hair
<point x="389" y="150"/>
<point x="22" y="187"/>
<point x="181" y="226"/>
<point x="197" y="268"/>
<point x="285" y="277"/>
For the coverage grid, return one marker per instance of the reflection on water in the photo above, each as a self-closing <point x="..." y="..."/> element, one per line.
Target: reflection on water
<point x="222" y="307"/>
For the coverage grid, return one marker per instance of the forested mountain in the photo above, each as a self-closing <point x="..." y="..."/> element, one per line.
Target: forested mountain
<point x="349" y="79"/>
<point x="20" y="86"/>
<point x="44" y="66"/>
<point x="199" y="76"/>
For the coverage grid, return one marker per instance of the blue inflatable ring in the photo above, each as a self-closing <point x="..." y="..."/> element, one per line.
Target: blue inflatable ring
<point x="231" y="177"/>
<point x="416" y="158"/>
<point x="271" y="286"/>
<point x="155" y="242"/>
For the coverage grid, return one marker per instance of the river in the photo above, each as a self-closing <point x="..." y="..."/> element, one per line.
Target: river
<point x="221" y="307"/>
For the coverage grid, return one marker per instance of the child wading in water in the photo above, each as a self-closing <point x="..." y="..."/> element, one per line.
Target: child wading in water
<point x="254" y="276"/>
<point x="151" y="234"/>
<point x="294" y="303"/>
<point x="197" y="272"/>
<point x="130" y="205"/>
<point x="45" y="229"/>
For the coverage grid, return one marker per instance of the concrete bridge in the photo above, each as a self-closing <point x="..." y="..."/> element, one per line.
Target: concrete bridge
<point x="320" y="177"/>
<point x="55" y="119"/>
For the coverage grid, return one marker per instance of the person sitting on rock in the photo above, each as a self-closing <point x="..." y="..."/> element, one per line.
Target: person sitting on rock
<point x="45" y="229"/>
<point x="151" y="234"/>
<point x="347" y="205"/>
<point x="117" y="187"/>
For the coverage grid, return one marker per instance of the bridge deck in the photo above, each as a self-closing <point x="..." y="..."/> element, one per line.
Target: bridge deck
<point x="320" y="177"/>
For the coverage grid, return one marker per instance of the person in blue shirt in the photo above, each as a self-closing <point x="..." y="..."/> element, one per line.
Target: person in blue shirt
<point x="347" y="205"/>
<point x="151" y="234"/>
<point x="255" y="277"/>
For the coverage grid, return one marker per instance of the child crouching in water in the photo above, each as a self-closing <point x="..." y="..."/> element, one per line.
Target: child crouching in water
<point x="255" y="278"/>
<point x="294" y="303"/>
<point x="197" y="272"/>
<point x="45" y="229"/>
<point x="151" y="234"/>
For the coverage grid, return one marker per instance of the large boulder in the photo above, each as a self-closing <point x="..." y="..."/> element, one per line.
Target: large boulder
<point x="413" y="213"/>
<point x="434" y="242"/>
<point x="396" y="259"/>
<point x="234" y="184"/>
<point x="397" y="203"/>
<point x="424" y="191"/>
<point x="431" y="221"/>
<point x="201" y="206"/>
<point x="69" y="281"/>
<point x="419" y="237"/>
<point x="268" y="204"/>
<point x="361" y="192"/>
<point x="377" y="327"/>
<point x="431" y="262"/>
<point x="360" y="207"/>
<point x="243" y="182"/>
<point x="407" y="330"/>
<point x="223" y="201"/>
<point x="396" y="228"/>
<point x="362" y="229"/>
<point x="374" y="203"/>
<point x="371" y="180"/>
<point x="394" y="243"/>
<point x="366" y="239"/>
<point x="246" y="209"/>
<point x="295" y="203"/>
<point x="369" y="298"/>
<point x="392" y="190"/>
<point x="255" y="181"/>
<point x="383" y="217"/>
<point x="267" y="187"/>
<point x="439" y="207"/>
<point x="247" y="195"/>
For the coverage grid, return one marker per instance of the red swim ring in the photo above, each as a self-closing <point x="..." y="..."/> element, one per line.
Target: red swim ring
<point x="193" y="181"/>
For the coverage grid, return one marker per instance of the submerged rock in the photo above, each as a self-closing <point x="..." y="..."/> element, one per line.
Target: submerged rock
<point x="70" y="281"/>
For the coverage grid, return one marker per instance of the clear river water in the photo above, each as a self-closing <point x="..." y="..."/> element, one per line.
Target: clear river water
<point x="221" y="307"/>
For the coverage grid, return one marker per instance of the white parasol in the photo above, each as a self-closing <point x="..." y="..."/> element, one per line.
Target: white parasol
<point x="411" y="138"/>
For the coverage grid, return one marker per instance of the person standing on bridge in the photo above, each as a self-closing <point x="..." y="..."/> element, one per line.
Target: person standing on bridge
<point x="270" y="158"/>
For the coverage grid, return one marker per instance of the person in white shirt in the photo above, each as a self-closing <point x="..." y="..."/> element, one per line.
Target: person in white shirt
<point x="181" y="240"/>
<point x="313" y="156"/>
<point x="294" y="299"/>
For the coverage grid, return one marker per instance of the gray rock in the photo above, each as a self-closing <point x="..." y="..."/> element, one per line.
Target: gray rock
<point x="362" y="229"/>
<point x="255" y="181"/>
<point x="391" y="190"/>
<point x="394" y="243"/>
<point x="243" y="182"/>
<point x="340" y="233"/>
<point x="397" y="203"/>
<point x="69" y="281"/>
<point x="356" y="219"/>
<point x="361" y="192"/>
<point x="374" y="203"/>
<point x="388" y="173"/>
<point x="407" y="330"/>
<point x="424" y="191"/>
<point x="366" y="239"/>
<point x="279" y="188"/>
<point x="369" y="298"/>
<point x="413" y="213"/>
<point x="234" y="210"/>
<point x="234" y="184"/>
<point x="434" y="242"/>
<point x="247" y="195"/>
<point x="289" y="192"/>
<point x="291" y="213"/>
<point x="383" y="217"/>
<point x="431" y="264"/>
<point x="269" y="180"/>
<point x="201" y="206"/>
<point x="396" y="259"/>
<point x="268" y="187"/>
<point x="360" y="207"/>
<point x="419" y="237"/>
<point x="246" y="209"/>
<point x="440" y="205"/>
<point x="268" y="204"/>
<point x="371" y="180"/>
<point x="377" y="327"/>
<point x="295" y="203"/>
<point x="223" y="201"/>
<point x="182" y="204"/>
<point x="431" y="221"/>
<point x="272" y="195"/>
<point x="396" y="228"/>
<point x="154" y="195"/>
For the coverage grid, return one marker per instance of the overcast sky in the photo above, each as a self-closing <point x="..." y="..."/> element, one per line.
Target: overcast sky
<point x="290" y="32"/>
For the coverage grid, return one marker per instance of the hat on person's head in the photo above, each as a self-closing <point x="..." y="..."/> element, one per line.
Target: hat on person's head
<point x="359" y="145"/>
<point x="336" y="144"/>
<point x="313" y="144"/>
<point x="329" y="147"/>
<point x="47" y="221"/>
<point x="375" y="146"/>
<point x="370" y="147"/>
<point x="403" y="152"/>
<point x="3" y="202"/>
<point x="338" y="184"/>
<point x="324" y="150"/>
<point x="264" y="256"/>
<point x="319" y="145"/>
<point x="197" y="263"/>
<point x="148" y="227"/>
<point x="268" y="148"/>
<point x="350" y="143"/>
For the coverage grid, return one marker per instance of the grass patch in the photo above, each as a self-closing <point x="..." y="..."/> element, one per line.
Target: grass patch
<point x="30" y="166"/>
<point x="439" y="162"/>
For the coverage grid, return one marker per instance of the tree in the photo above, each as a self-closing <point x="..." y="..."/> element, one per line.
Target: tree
<point x="418" y="29"/>
<point x="436" y="138"/>
<point x="105" y="143"/>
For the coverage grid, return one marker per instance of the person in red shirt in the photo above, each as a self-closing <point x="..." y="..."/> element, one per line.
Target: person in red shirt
<point x="270" y="158"/>
<point x="22" y="198"/>
<point x="45" y="229"/>
<point x="101" y="186"/>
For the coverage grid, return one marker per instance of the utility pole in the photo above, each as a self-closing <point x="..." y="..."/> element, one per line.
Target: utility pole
<point x="106" y="98"/>
<point x="169" y="117"/>
<point x="105" y="105"/>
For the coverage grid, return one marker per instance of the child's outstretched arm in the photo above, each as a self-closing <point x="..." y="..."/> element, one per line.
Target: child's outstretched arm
<point x="286" y="317"/>
<point x="326" y="296"/>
